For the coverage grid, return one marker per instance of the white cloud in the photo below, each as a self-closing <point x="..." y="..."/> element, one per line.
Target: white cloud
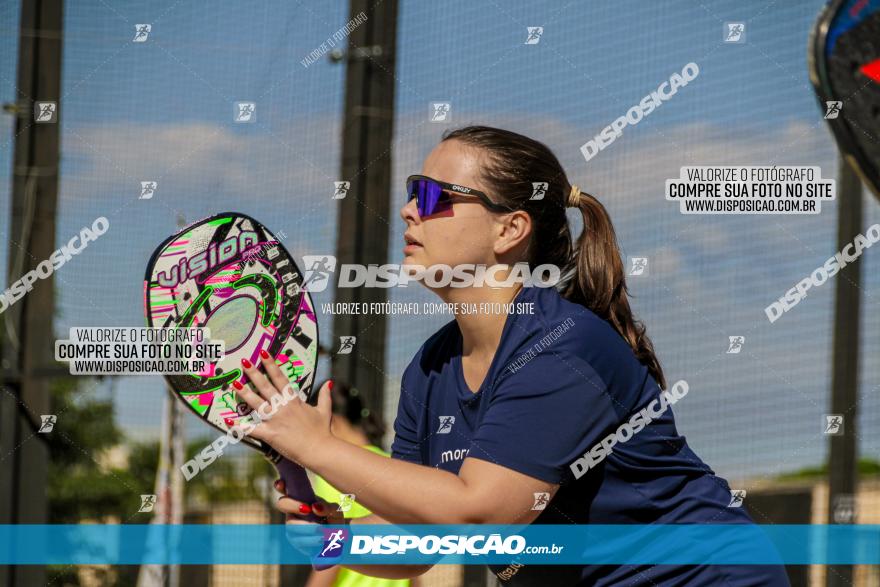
<point x="206" y="157"/>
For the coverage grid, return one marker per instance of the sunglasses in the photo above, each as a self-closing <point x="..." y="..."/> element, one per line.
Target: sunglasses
<point x="433" y="196"/>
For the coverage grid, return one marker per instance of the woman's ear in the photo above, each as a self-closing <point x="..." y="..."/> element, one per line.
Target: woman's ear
<point x="514" y="230"/>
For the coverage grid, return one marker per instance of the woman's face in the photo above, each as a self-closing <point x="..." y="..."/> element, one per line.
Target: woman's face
<point x="464" y="234"/>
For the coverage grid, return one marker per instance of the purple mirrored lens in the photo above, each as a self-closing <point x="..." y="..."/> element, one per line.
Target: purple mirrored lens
<point x="429" y="196"/>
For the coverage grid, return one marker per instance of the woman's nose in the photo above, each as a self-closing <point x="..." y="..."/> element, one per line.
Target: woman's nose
<point x="410" y="211"/>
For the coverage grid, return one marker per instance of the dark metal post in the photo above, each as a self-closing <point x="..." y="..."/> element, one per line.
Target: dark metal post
<point x="842" y="470"/>
<point x="365" y="213"/>
<point x="27" y="337"/>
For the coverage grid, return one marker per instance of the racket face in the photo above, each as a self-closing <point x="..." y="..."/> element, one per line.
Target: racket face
<point x="844" y="61"/>
<point x="229" y="274"/>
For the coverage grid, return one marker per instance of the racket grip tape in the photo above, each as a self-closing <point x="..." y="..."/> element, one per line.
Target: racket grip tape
<point x="298" y="487"/>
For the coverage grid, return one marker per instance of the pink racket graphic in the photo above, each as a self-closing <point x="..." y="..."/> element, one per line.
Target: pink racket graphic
<point x="229" y="274"/>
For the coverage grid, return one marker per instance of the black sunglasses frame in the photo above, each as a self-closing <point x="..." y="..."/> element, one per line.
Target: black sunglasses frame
<point x="459" y="190"/>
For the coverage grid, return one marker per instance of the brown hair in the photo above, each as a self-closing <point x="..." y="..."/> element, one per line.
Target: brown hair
<point x="592" y="268"/>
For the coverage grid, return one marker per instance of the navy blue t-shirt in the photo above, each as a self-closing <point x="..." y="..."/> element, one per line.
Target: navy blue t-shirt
<point x="561" y="380"/>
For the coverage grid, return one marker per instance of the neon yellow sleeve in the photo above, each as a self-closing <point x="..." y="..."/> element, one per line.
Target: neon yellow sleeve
<point x="329" y="493"/>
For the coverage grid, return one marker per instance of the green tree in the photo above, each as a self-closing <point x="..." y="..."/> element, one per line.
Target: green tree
<point x="81" y="488"/>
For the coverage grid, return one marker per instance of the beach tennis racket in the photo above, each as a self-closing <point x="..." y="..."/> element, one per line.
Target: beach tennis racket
<point x="229" y="274"/>
<point x="844" y="61"/>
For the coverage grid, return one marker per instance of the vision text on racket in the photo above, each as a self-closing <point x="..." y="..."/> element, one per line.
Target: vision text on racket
<point x="215" y="255"/>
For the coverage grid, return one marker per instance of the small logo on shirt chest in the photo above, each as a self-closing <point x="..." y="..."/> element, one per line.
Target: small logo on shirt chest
<point x="446" y="423"/>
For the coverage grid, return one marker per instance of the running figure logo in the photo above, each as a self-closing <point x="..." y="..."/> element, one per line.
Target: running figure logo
<point x="539" y="190"/>
<point x="47" y="423"/>
<point x="334" y="540"/>
<point x="832" y="109"/>
<point x="638" y="266"/>
<point x="446" y="423"/>
<point x="534" y="36"/>
<point x="148" y="502"/>
<point x="318" y="270"/>
<point x="736" y="344"/>
<point x="340" y="189"/>
<point x="542" y="498"/>
<point x="346" y="500"/>
<point x="245" y="112"/>
<point x="148" y="189"/>
<point x="735" y="32"/>
<point x="141" y="32"/>
<point x="440" y="112"/>
<point x="737" y="496"/>
<point x="346" y="345"/>
<point x="844" y="510"/>
<point x="45" y="111"/>
<point x="833" y="425"/>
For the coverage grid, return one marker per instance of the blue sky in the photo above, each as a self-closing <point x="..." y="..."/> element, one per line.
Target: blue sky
<point x="161" y="110"/>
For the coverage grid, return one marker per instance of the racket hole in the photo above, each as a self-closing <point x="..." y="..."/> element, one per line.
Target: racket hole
<point x="186" y="296"/>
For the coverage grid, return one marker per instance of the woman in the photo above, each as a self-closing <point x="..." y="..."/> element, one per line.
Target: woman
<point x="354" y="423"/>
<point x="521" y="418"/>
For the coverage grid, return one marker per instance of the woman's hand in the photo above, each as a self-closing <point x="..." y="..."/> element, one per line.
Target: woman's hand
<point x="286" y="423"/>
<point x="302" y="535"/>
<point x="297" y="510"/>
<point x="305" y="535"/>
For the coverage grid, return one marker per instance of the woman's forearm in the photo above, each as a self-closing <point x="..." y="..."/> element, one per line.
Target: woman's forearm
<point x="398" y="491"/>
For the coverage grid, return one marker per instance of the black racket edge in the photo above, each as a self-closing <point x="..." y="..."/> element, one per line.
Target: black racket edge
<point x="270" y="453"/>
<point x="818" y="71"/>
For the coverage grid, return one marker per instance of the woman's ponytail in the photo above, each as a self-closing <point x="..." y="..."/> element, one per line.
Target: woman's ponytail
<point x="598" y="282"/>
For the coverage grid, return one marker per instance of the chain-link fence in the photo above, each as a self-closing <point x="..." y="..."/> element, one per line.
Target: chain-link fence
<point x="162" y="111"/>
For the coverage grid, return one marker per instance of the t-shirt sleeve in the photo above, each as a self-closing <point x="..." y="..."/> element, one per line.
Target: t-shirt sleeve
<point x="544" y="416"/>
<point x="406" y="445"/>
<point x="329" y="493"/>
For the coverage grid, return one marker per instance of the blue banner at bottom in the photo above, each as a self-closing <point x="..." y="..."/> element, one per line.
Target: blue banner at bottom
<point x="739" y="544"/>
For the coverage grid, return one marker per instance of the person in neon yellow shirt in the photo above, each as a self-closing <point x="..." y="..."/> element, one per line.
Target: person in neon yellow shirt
<point x="354" y="423"/>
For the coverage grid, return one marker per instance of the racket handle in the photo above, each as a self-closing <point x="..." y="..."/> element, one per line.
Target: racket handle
<point x="298" y="487"/>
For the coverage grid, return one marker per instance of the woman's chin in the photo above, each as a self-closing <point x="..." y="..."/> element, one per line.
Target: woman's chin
<point x="413" y="257"/>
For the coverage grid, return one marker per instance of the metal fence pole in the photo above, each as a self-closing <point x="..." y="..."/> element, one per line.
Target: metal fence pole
<point x="27" y="325"/>
<point x="365" y="212"/>
<point x="843" y="451"/>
